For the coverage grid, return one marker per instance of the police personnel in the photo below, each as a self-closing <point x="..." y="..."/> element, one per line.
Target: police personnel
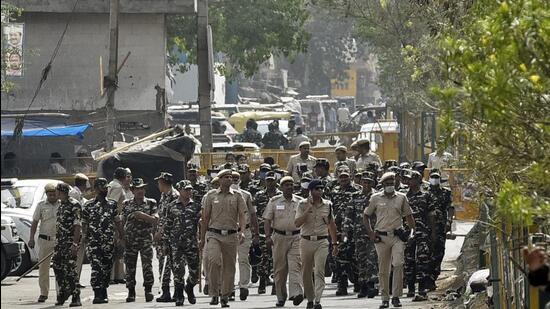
<point x="68" y="229"/>
<point x="314" y="217"/>
<point x="366" y="156"/>
<point x="167" y="196"/>
<point x="390" y="207"/>
<point x="121" y="179"/>
<point x="45" y="214"/>
<point x="199" y="187"/>
<point x="342" y="159"/>
<point x="298" y="162"/>
<point x="180" y="239"/>
<point x="223" y="213"/>
<point x="284" y="239"/>
<point x="99" y="220"/>
<point x="140" y="215"/>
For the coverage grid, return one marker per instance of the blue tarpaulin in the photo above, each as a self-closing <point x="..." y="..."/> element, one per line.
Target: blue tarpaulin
<point x="62" y="130"/>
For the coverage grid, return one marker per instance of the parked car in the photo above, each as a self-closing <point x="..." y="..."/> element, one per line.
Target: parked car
<point x="12" y="246"/>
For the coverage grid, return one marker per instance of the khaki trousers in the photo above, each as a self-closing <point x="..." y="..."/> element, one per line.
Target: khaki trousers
<point x="313" y="254"/>
<point x="391" y="252"/>
<point x="287" y="262"/>
<point x="219" y="258"/>
<point x="244" y="260"/>
<point x="45" y="247"/>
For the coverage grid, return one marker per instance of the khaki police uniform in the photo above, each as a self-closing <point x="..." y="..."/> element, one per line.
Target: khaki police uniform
<point x="220" y="250"/>
<point x="46" y="214"/>
<point x="117" y="193"/>
<point x="286" y="245"/>
<point x="364" y="160"/>
<point x="293" y="162"/>
<point x="244" y="249"/>
<point x="314" y="246"/>
<point x="389" y="211"/>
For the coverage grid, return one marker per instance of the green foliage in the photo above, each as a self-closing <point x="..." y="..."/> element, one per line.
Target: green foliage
<point x="246" y="32"/>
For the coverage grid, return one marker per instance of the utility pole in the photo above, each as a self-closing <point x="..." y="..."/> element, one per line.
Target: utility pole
<point x="112" y="78"/>
<point x="205" y="114"/>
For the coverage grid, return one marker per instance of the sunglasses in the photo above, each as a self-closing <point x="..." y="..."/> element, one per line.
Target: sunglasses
<point x="319" y="188"/>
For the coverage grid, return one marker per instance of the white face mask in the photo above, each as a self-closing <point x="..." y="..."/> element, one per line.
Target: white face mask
<point x="304" y="185"/>
<point x="435" y="181"/>
<point x="389" y="189"/>
<point x="235" y="186"/>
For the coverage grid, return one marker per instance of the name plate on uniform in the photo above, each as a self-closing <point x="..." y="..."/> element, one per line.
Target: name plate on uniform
<point x="280" y="207"/>
<point x="224" y="232"/>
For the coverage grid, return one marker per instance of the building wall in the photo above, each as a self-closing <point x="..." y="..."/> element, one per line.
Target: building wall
<point x="74" y="80"/>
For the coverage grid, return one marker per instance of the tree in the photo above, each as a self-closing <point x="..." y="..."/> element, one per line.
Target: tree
<point x="246" y="32"/>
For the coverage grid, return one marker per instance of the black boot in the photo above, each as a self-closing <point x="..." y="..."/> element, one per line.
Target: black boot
<point x="75" y="302"/>
<point x="254" y="275"/>
<point x="190" y="294"/>
<point x="342" y="288"/>
<point x="261" y="287"/>
<point x="356" y="287"/>
<point x="98" y="297"/>
<point x="363" y="290"/>
<point x="148" y="294"/>
<point x="205" y="290"/>
<point x="131" y="295"/>
<point x="60" y="300"/>
<point x="104" y="295"/>
<point x="372" y="291"/>
<point x="178" y="295"/>
<point x="165" y="297"/>
<point x="412" y="289"/>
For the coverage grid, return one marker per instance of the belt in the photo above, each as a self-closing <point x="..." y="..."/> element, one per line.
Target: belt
<point x="385" y="233"/>
<point x="246" y="227"/>
<point x="314" y="237"/>
<point x="45" y="237"/>
<point x="222" y="232"/>
<point x="287" y="233"/>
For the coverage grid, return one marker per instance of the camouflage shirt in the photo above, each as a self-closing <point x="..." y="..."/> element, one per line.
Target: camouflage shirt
<point x="260" y="202"/>
<point x="134" y="227"/>
<point x="353" y="221"/>
<point x="182" y="224"/>
<point x="166" y="199"/>
<point x="341" y="197"/>
<point x="419" y="203"/>
<point x="99" y="216"/>
<point x="440" y="200"/>
<point x="68" y="215"/>
<point x="251" y="136"/>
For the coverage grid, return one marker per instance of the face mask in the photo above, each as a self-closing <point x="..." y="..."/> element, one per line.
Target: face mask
<point x="235" y="186"/>
<point x="304" y="185"/>
<point x="389" y="189"/>
<point x="262" y="175"/>
<point x="435" y="181"/>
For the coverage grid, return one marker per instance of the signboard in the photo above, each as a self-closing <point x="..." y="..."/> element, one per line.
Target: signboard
<point x="344" y="87"/>
<point x="13" y="48"/>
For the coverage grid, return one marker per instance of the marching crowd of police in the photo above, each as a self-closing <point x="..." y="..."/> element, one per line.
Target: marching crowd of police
<point x="295" y="226"/>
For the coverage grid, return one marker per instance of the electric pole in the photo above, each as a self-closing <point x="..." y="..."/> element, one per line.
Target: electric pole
<point x="203" y="52"/>
<point x="112" y="78"/>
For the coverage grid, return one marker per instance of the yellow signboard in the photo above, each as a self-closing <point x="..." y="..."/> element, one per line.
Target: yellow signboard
<point x="344" y="87"/>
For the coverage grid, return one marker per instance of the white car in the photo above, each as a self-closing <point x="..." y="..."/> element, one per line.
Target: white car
<point x="12" y="247"/>
<point x="19" y="200"/>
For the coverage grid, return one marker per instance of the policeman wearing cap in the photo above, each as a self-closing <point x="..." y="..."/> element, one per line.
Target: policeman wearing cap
<point x="284" y="240"/>
<point x="66" y="248"/>
<point x="366" y="155"/>
<point x="45" y="213"/>
<point x="261" y="200"/>
<point x="314" y="217"/>
<point x="302" y="162"/>
<point x="303" y="190"/>
<point x="100" y="220"/>
<point x="365" y="258"/>
<point x="442" y="212"/>
<point x="224" y="211"/>
<point x="390" y="207"/>
<point x="140" y="215"/>
<point x="417" y="250"/>
<point x="342" y="159"/>
<point x="321" y="171"/>
<point x="167" y="196"/>
<point x="180" y="240"/>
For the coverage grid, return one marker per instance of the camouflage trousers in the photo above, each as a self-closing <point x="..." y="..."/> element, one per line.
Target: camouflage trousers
<point x="265" y="267"/>
<point x="64" y="267"/>
<point x="366" y="260"/>
<point x="101" y="262"/>
<point x="144" y="247"/>
<point x="343" y="263"/>
<point x="164" y="273"/>
<point x="417" y="258"/>
<point x="438" y="251"/>
<point x="183" y="255"/>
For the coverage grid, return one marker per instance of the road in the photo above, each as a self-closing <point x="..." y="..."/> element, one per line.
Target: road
<point x="24" y="293"/>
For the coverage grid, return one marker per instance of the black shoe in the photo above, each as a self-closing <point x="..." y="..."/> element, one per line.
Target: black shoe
<point x="190" y="294"/>
<point x="372" y="292"/>
<point x="148" y="294"/>
<point x="420" y="297"/>
<point x="75" y="302"/>
<point x="395" y="302"/>
<point x="60" y="300"/>
<point x="42" y="298"/>
<point x="280" y="303"/>
<point x="225" y="303"/>
<point x="254" y="277"/>
<point x="341" y="291"/>
<point x="309" y="305"/>
<point x="120" y="281"/>
<point x="243" y="293"/>
<point x="131" y="295"/>
<point x="104" y="295"/>
<point x="385" y="304"/>
<point x="165" y="297"/>
<point x="356" y="287"/>
<point x="412" y="289"/>
<point x="261" y="287"/>
<point x="232" y="296"/>
<point x="214" y="301"/>
<point x="80" y="286"/>
<point x="98" y="297"/>
<point x="298" y="299"/>
<point x="363" y="290"/>
<point x="178" y="295"/>
<point x="334" y="278"/>
<point x="317" y="306"/>
<point x="205" y="290"/>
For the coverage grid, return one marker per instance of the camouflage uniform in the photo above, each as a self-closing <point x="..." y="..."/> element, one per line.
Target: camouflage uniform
<point x="251" y="136"/>
<point x="341" y="198"/>
<point x="440" y="202"/>
<point x="180" y="237"/>
<point x="99" y="216"/>
<point x="139" y="239"/>
<point x="164" y="203"/>
<point x="417" y="250"/>
<point x="266" y="262"/>
<point x="274" y="140"/>
<point x="365" y="258"/>
<point x="63" y="261"/>
<point x="199" y="191"/>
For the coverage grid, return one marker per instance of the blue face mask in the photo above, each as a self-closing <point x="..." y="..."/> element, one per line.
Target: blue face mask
<point x="262" y="175"/>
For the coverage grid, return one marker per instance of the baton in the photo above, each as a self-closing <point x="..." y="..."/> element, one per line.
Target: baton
<point x="162" y="271"/>
<point x="34" y="266"/>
